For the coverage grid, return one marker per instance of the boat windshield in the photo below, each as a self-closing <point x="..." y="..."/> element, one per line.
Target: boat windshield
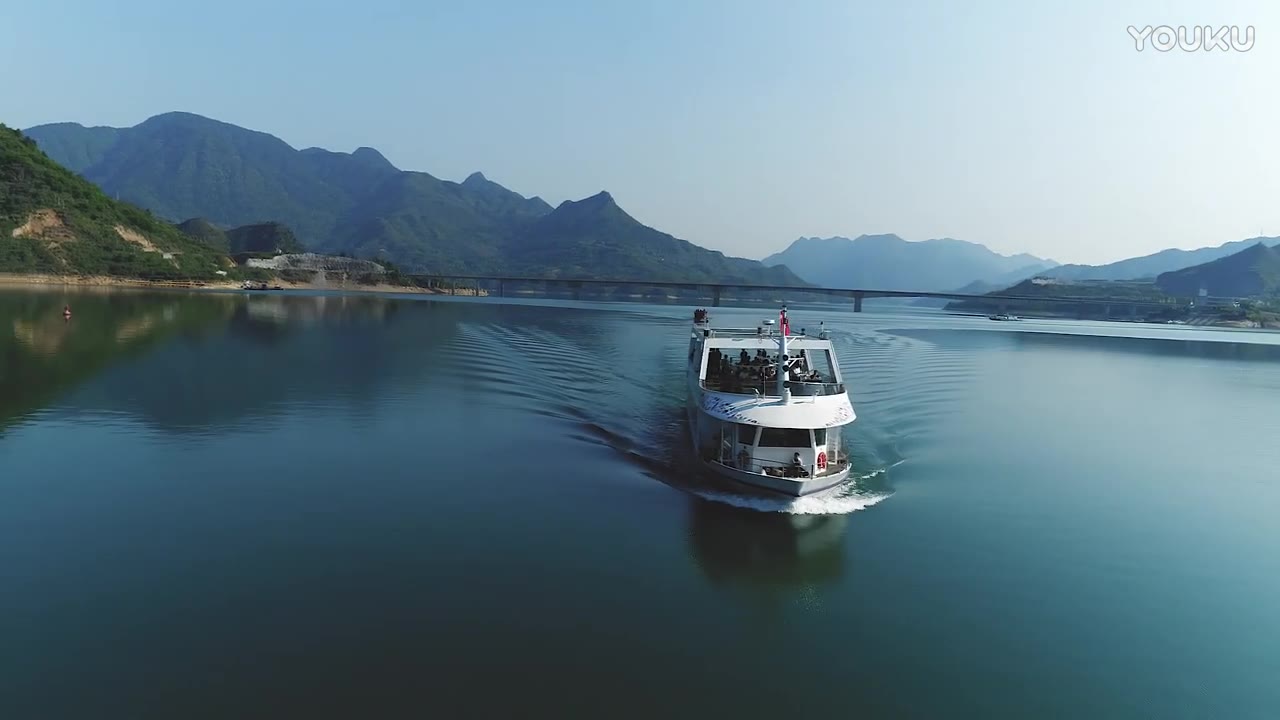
<point x="820" y="363"/>
<point x="784" y="437"/>
<point x="809" y="372"/>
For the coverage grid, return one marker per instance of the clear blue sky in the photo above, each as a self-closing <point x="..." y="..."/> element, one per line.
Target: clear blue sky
<point x="739" y="125"/>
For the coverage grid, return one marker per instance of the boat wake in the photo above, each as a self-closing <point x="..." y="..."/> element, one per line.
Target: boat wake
<point x="835" y="504"/>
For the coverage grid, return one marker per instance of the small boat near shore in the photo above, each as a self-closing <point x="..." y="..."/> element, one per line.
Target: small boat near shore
<point x="1004" y="317"/>
<point x="259" y="285"/>
<point x="766" y="407"/>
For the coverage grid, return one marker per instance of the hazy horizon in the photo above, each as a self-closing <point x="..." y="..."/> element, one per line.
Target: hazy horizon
<point x="736" y="126"/>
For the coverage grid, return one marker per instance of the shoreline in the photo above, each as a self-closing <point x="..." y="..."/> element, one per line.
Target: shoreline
<point x="106" y="281"/>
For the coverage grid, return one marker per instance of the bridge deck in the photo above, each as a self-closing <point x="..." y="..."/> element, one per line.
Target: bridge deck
<point x="716" y="290"/>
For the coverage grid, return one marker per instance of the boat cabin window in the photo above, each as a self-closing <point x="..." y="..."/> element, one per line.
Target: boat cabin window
<point x="747" y="434"/>
<point x="820" y="436"/>
<point x="784" y="437"/>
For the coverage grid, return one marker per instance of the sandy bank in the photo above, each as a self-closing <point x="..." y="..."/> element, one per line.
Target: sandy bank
<point x="103" y="281"/>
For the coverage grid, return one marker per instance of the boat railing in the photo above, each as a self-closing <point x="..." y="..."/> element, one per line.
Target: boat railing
<point x="736" y="332"/>
<point x="764" y="331"/>
<point x="769" y="388"/>
<point x="837" y="465"/>
<point x="777" y="468"/>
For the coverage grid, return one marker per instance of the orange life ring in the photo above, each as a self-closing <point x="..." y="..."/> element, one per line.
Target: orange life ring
<point x="822" y="461"/>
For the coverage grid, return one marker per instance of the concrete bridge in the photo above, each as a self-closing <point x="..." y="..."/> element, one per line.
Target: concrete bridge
<point x="498" y="285"/>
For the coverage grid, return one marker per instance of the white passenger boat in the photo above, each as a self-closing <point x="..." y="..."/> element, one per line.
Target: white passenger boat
<point x="766" y="406"/>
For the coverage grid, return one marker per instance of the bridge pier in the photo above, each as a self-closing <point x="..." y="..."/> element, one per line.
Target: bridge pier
<point x="715" y="296"/>
<point x="857" y="301"/>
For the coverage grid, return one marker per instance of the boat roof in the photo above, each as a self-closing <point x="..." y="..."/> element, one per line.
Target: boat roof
<point x="810" y="412"/>
<point x="765" y="342"/>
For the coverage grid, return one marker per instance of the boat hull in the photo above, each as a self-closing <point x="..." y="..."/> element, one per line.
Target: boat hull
<point x="790" y="487"/>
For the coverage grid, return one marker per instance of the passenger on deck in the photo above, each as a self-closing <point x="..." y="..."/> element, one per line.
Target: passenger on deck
<point x="797" y="466"/>
<point x="743" y="357"/>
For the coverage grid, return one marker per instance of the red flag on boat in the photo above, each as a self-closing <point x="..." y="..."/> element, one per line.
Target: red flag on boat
<point x="782" y="322"/>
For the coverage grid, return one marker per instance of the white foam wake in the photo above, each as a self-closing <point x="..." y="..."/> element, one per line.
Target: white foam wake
<point x="841" y="500"/>
<point x="808" y="505"/>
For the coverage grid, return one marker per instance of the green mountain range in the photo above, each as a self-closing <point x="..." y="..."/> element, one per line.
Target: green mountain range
<point x="583" y="237"/>
<point x="259" y="238"/>
<point x="52" y="221"/>
<point x="205" y="232"/>
<point x="1252" y="272"/>
<point x="180" y="165"/>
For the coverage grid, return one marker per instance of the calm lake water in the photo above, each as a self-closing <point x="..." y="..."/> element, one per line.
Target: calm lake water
<point x="324" y="506"/>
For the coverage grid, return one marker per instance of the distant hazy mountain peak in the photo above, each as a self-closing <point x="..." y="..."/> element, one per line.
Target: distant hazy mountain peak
<point x="369" y="156"/>
<point x="600" y="201"/>
<point x="64" y="126"/>
<point x="885" y="261"/>
<point x="187" y="119"/>
<point x="1251" y="272"/>
<point x="1155" y="264"/>
<point x="475" y="178"/>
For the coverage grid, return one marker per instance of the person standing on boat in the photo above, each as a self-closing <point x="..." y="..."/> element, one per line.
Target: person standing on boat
<point x="797" y="465"/>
